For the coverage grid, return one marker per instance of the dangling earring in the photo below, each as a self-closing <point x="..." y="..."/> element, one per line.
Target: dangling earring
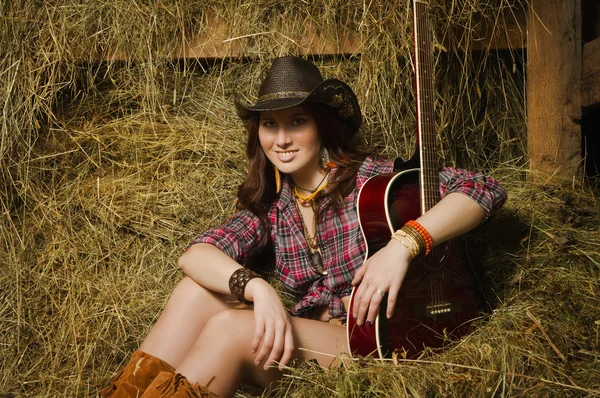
<point x="277" y="180"/>
<point x="325" y="161"/>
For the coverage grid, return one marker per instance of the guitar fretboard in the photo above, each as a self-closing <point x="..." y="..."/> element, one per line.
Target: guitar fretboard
<point x="425" y="94"/>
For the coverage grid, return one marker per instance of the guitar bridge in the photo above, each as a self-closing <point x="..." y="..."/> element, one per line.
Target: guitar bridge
<point x="438" y="309"/>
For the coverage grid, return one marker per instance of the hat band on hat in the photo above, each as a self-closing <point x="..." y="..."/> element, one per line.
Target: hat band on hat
<point x="284" y="94"/>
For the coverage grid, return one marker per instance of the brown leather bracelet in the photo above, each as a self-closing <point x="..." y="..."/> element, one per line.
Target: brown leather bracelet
<point x="238" y="281"/>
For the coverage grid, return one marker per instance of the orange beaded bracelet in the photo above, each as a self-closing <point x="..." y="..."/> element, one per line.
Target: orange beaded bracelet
<point x="424" y="234"/>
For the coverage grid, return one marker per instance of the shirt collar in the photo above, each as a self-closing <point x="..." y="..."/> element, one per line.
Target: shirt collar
<point x="285" y="195"/>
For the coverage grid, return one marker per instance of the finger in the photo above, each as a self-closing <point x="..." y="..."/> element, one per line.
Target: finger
<point x="289" y="348"/>
<point x="359" y="275"/>
<point x="266" y="345"/>
<point x="376" y="300"/>
<point x="356" y="299"/>
<point x="259" y="331"/>
<point x="277" y="348"/>
<point x="363" y="307"/>
<point x="393" y="295"/>
<point x="391" y="305"/>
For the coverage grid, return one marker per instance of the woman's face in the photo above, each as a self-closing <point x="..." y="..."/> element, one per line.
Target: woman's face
<point x="290" y="140"/>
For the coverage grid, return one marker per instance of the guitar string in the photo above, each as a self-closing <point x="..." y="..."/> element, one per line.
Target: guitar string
<point x="427" y="114"/>
<point x="427" y="128"/>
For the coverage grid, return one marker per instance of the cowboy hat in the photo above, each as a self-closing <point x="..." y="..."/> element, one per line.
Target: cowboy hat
<point x="293" y="81"/>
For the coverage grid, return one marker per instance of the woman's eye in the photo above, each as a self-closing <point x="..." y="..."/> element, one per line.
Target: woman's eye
<point x="298" y="121"/>
<point x="268" y="123"/>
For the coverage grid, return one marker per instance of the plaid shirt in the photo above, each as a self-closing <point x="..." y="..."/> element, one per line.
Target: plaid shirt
<point x="338" y="233"/>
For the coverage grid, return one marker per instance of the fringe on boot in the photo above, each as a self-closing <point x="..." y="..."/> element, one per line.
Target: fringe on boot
<point x="175" y="385"/>
<point x="132" y="380"/>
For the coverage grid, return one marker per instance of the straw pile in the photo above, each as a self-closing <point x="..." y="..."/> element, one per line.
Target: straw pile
<point x="108" y="169"/>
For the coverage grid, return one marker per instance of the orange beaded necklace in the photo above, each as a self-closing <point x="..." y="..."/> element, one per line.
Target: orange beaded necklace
<point x="305" y="200"/>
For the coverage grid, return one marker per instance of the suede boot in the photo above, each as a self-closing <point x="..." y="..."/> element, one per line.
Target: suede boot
<point x="176" y="385"/>
<point x="132" y="380"/>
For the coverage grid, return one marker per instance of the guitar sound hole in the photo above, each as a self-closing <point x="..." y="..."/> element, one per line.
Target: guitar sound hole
<point x="436" y="261"/>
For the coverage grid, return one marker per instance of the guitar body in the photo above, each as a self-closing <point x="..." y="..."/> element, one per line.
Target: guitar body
<point x="436" y="300"/>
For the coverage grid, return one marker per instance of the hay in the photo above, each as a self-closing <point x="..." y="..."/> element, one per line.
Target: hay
<point x="107" y="169"/>
<point x="541" y="339"/>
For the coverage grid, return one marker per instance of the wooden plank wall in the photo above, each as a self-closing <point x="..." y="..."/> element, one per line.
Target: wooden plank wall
<point x="561" y="77"/>
<point x="554" y="70"/>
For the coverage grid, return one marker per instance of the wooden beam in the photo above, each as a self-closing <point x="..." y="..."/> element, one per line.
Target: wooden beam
<point x="216" y="41"/>
<point x="505" y="30"/>
<point x="554" y="64"/>
<point x="590" y="80"/>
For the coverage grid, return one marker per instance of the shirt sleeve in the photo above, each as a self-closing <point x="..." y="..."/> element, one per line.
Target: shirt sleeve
<point x="373" y="166"/>
<point x="237" y="237"/>
<point x="486" y="191"/>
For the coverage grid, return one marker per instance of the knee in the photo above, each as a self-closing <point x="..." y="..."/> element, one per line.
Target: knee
<point x="187" y="291"/>
<point x="235" y="324"/>
<point x="188" y="286"/>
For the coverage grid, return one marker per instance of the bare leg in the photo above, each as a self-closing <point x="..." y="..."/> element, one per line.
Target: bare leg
<point x="221" y="357"/>
<point x="188" y="310"/>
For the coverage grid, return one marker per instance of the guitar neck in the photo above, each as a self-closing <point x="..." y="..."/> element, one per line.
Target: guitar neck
<point x="425" y="95"/>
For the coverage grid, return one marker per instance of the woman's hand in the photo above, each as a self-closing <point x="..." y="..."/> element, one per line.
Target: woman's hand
<point x="273" y="332"/>
<point x="382" y="273"/>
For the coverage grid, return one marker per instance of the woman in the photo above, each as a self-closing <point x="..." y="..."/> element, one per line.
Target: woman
<point x="300" y="196"/>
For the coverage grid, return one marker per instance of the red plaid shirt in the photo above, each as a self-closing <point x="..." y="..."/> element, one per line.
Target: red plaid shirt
<point x="338" y="233"/>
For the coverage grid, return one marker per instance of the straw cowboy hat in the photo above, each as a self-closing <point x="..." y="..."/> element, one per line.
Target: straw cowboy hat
<point x="293" y="81"/>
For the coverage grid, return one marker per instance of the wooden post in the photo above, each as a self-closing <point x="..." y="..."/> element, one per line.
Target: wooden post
<point x="590" y="81"/>
<point x="554" y="64"/>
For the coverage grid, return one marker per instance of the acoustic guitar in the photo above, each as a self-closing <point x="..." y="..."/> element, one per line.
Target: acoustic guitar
<point x="436" y="301"/>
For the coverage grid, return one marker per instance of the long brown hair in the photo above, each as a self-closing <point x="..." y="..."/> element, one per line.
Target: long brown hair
<point x="258" y="190"/>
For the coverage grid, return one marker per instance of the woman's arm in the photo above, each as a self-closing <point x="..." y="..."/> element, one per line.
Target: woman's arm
<point x="210" y="267"/>
<point x="452" y="216"/>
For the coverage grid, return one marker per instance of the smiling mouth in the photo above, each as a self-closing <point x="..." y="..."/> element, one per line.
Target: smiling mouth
<point x="286" y="155"/>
